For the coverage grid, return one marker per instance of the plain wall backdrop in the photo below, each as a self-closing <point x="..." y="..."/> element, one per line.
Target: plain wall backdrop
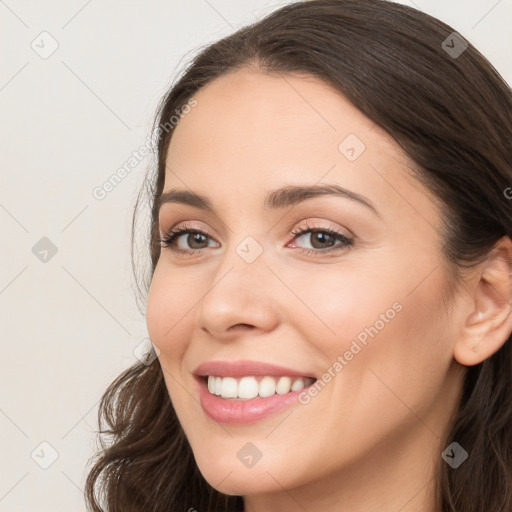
<point x="79" y="84"/>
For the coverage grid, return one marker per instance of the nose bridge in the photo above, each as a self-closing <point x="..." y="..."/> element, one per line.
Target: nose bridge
<point x="238" y="292"/>
<point x="246" y="256"/>
<point x="242" y="269"/>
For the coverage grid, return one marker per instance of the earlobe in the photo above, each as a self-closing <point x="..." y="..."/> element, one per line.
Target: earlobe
<point x="489" y="324"/>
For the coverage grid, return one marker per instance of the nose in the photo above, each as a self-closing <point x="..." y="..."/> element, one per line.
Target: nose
<point x="240" y="299"/>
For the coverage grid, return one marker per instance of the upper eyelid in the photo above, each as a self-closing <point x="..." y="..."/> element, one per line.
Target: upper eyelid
<point x="297" y="226"/>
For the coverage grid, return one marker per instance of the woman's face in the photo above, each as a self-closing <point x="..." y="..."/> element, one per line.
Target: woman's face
<point x="366" y="318"/>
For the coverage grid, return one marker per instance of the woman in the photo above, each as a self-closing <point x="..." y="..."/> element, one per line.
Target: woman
<point x="331" y="280"/>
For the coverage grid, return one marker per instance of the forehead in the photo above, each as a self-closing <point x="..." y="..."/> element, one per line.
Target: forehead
<point x="250" y="105"/>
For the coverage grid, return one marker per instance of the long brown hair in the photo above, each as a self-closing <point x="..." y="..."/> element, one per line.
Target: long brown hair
<point x="451" y="113"/>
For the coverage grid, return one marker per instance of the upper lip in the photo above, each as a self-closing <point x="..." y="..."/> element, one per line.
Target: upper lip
<point x="247" y="368"/>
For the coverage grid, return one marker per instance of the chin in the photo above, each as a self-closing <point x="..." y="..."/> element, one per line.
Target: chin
<point x="270" y="474"/>
<point x="243" y="484"/>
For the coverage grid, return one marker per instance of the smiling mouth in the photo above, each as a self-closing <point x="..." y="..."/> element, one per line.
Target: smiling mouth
<point x="250" y="387"/>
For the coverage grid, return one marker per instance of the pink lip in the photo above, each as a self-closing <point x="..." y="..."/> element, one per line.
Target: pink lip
<point x="243" y="368"/>
<point x="239" y="412"/>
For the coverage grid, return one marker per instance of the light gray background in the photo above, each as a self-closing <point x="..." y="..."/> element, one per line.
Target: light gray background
<point x="70" y="325"/>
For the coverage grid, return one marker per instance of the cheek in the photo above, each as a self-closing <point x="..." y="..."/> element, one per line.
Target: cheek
<point x="406" y="359"/>
<point x="168" y="304"/>
<point x="379" y="321"/>
<point x="344" y="304"/>
<point x="395" y="354"/>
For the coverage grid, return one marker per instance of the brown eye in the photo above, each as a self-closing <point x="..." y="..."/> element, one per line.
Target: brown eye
<point x="194" y="241"/>
<point x="322" y="240"/>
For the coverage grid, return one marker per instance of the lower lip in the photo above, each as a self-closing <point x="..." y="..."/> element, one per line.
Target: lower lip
<point x="241" y="412"/>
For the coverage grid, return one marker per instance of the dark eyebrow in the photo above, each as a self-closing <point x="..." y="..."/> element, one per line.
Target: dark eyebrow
<point x="276" y="199"/>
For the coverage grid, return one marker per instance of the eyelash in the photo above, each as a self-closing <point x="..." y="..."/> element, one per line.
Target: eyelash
<point x="167" y="241"/>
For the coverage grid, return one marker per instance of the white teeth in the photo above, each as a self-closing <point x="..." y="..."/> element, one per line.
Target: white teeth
<point x="229" y="388"/>
<point x="267" y="386"/>
<point x="218" y="385"/>
<point x="249" y="387"/>
<point x="284" y="385"/>
<point x="298" y="384"/>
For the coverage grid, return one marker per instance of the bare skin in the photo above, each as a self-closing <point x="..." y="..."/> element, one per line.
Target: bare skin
<point x="372" y="438"/>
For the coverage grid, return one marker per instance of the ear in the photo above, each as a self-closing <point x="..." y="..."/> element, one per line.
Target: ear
<point x="489" y="324"/>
